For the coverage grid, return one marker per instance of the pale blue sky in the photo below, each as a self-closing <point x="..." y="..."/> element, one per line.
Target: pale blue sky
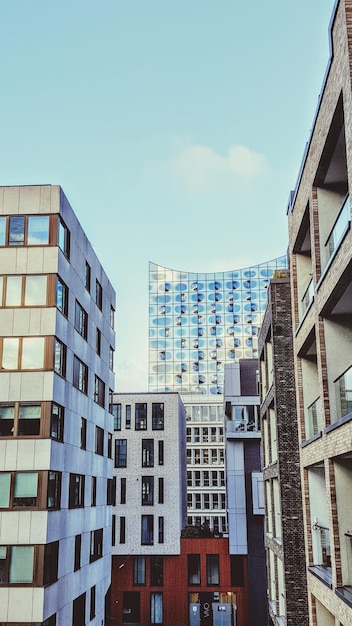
<point x="175" y="127"/>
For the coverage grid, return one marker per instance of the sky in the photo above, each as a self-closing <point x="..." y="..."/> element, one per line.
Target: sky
<point x="176" y="129"/>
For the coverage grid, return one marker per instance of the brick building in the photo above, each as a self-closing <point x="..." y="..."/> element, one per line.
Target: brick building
<point x="286" y="567"/>
<point x="320" y="247"/>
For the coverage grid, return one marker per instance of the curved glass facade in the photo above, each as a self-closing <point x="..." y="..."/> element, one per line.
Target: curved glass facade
<point x="199" y="322"/>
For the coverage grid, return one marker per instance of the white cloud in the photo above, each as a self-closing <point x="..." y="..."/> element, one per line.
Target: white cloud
<point x="201" y="169"/>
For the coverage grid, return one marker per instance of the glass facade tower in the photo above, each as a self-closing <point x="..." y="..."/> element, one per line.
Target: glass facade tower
<point x="197" y="323"/>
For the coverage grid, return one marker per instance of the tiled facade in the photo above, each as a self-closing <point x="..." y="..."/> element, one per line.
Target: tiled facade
<point x="320" y="245"/>
<point x="286" y="564"/>
<point x="56" y="354"/>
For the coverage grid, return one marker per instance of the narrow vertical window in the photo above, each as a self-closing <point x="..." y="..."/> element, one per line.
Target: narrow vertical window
<point x="98" y="341"/>
<point x="147" y="537"/>
<point x="120" y="452"/>
<point x="98" y="295"/>
<point x="141" y="416"/>
<point x="161" y="452"/>
<point x="92" y="602"/>
<point x="16" y="230"/>
<point x="64" y="238"/>
<point x="62" y="296"/>
<point x="59" y="358"/>
<point x="147" y="453"/>
<point x="54" y="490"/>
<point x="122" y="529"/>
<point x="87" y="277"/>
<point x="77" y="556"/>
<point x="112" y="317"/>
<point x="83" y="433"/>
<point x="113" y="530"/>
<point x="94" y="491"/>
<point x="156" y="608"/>
<point x="156" y="571"/>
<point x="194" y="569"/>
<point x="123" y="491"/>
<point x="161" y="530"/>
<point x="212" y="561"/>
<point x="157" y="416"/>
<point x="161" y="490"/>
<point x="116" y="411"/>
<point x="128" y="416"/>
<point x="139" y="577"/>
<point x="57" y="421"/>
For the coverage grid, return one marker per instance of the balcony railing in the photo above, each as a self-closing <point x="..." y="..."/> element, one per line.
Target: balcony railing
<point x="343" y="388"/>
<point x="307" y="298"/>
<point x="338" y="228"/>
<point x="313" y="422"/>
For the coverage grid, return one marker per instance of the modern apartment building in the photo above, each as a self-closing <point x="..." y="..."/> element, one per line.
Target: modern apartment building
<point x="56" y="376"/>
<point x="320" y="244"/>
<point x="244" y="480"/>
<point x="286" y="563"/>
<point x="197" y="323"/>
<point x="149" y="444"/>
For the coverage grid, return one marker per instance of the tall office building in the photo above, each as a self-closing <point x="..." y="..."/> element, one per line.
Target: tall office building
<point x="56" y="355"/>
<point x="197" y="323"/>
<point x="320" y="243"/>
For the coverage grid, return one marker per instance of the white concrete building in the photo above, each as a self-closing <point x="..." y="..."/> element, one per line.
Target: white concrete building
<point x="56" y="382"/>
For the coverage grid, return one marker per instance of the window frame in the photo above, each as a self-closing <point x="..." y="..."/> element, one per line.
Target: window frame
<point x="81" y="320"/>
<point x="76" y="491"/>
<point x="141" y="416"/>
<point x="96" y="544"/>
<point x="158" y="415"/>
<point x="120" y="453"/>
<point x="80" y="375"/>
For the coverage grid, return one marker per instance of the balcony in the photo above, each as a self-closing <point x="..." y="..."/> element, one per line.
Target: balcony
<point x="321" y="554"/>
<point x="343" y="390"/>
<point x="338" y="230"/>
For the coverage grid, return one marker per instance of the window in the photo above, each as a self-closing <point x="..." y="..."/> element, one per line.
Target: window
<point x="147" y="453"/>
<point x="63" y="238"/>
<point x="156" y="571"/>
<point x="158" y="416"/>
<point x="50" y="621"/>
<point x="18" y="489"/>
<point x="31" y="230"/>
<point x="99" y="440"/>
<point x="147" y="538"/>
<point x="19" y="419"/>
<point x="81" y="320"/>
<point x="112" y="317"/>
<point x="16" y="564"/>
<point x="147" y="490"/>
<point x="51" y="562"/>
<point x="120" y="452"/>
<point x="122" y="529"/>
<point x="57" y="422"/>
<point x="98" y="295"/>
<point x="156" y="608"/>
<point x="76" y="491"/>
<point x="141" y="416"/>
<point x="128" y="416"/>
<point x="113" y="530"/>
<point x="194" y="569"/>
<point x="53" y="500"/>
<point x="96" y="545"/>
<point x="79" y="610"/>
<point x="161" y="452"/>
<point x="16" y="291"/>
<point x="59" y="358"/>
<point x="212" y="561"/>
<point x="24" y="353"/>
<point x="2" y="231"/>
<point x="92" y="602"/>
<point x="62" y="296"/>
<point x="98" y="341"/>
<point x="123" y="491"/>
<point x="111" y="358"/>
<point x="99" y="391"/>
<point x="116" y="410"/>
<point x="139" y="570"/>
<point x="93" y="498"/>
<point x="161" y="530"/>
<point x="109" y="446"/>
<point x="80" y="375"/>
<point x="161" y="490"/>
<point x="87" y="276"/>
<point x="111" y="401"/>
<point x="83" y="433"/>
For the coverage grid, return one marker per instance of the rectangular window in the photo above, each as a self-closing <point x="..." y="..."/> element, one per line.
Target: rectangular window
<point x="57" y="422"/>
<point x="122" y="530"/>
<point x="147" y="535"/>
<point x="83" y="433"/>
<point x="50" y="621"/>
<point x="79" y="610"/>
<point x="51" y="563"/>
<point x="161" y="530"/>
<point x="59" y="358"/>
<point x="2" y="231"/>
<point x="98" y="341"/>
<point x="38" y="230"/>
<point x="147" y="453"/>
<point x="112" y="317"/>
<point x="99" y="440"/>
<point x="35" y="293"/>
<point x="96" y="545"/>
<point x="123" y="491"/>
<point x="93" y="498"/>
<point x="99" y="391"/>
<point x="194" y="569"/>
<point x="141" y="416"/>
<point x="128" y="416"/>
<point x="111" y="358"/>
<point x="120" y="452"/>
<point x="5" y="486"/>
<point x="87" y="277"/>
<point x="161" y="452"/>
<point x="53" y="500"/>
<point x="116" y="411"/>
<point x="81" y="320"/>
<point x="139" y="570"/>
<point x="25" y="489"/>
<point x="212" y="561"/>
<point x="161" y="490"/>
<point x="21" y="567"/>
<point x="113" y="530"/>
<point x="147" y="490"/>
<point x="13" y="291"/>
<point x="77" y="556"/>
<point x="156" y="571"/>
<point x="92" y="602"/>
<point x="25" y="353"/>
<point x="156" y="608"/>
<point x="16" y="230"/>
<point x="98" y="295"/>
<point x="61" y="296"/>
<point x="28" y="419"/>
<point x="80" y="375"/>
<point x="109" y="446"/>
<point x="157" y="416"/>
<point x="63" y="238"/>
<point x="76" y="491"/>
